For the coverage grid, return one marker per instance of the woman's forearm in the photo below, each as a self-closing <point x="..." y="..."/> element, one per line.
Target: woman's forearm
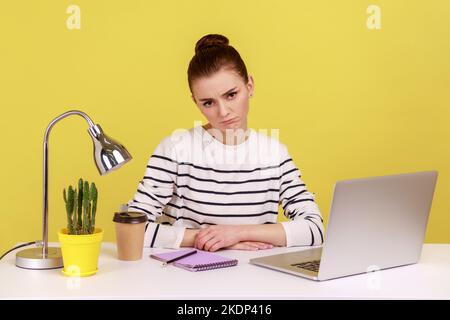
<point x="269" y="233"/>
<point x="189" y="237"/>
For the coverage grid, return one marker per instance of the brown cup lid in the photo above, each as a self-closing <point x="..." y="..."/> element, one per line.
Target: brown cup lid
<point x="130" y="217"/>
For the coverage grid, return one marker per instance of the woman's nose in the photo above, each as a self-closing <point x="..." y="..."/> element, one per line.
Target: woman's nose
<point x="223" y="110"/>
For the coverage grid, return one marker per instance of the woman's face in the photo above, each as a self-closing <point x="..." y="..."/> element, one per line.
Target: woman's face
<point x="223" y="96"/>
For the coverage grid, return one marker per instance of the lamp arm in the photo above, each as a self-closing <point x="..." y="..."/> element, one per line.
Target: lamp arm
<point x="45" y="173"/>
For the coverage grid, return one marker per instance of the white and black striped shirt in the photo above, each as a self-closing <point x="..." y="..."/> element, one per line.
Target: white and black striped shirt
<point x="192" y="180"/>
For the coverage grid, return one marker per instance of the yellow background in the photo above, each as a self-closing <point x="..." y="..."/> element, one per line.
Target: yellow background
<point x="349" y="102"/>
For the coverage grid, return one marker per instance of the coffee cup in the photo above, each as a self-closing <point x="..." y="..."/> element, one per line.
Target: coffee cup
<point x="130" y="230"/>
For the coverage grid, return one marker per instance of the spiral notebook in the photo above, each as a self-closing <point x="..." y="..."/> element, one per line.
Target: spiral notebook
<point x="201" y="261"/>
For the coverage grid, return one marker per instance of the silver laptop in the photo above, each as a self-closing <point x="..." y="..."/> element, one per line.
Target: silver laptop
<point x="374" y="223"/>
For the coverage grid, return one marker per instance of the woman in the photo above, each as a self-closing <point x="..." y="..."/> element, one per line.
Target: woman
<point x="219" y="185"/>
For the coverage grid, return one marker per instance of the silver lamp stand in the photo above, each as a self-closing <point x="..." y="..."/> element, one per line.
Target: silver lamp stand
<point x="108" y="155"/>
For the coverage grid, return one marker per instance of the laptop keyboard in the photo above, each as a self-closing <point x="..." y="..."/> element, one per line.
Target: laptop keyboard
<point x="310" y="265"/>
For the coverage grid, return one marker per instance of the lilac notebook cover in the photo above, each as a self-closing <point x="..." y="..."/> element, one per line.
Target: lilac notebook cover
<point x="200" y="261"/>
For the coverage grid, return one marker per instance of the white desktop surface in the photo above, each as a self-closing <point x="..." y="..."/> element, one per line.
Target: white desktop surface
<point x="146" y="279"/>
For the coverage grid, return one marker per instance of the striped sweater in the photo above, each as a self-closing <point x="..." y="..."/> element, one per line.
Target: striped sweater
<point x="192" y="180"/>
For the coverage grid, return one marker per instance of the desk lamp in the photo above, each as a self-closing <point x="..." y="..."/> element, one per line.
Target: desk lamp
<point x="108" y="155"/>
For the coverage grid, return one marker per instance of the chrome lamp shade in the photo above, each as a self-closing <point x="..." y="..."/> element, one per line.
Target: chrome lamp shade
<point x="109" y="155"/>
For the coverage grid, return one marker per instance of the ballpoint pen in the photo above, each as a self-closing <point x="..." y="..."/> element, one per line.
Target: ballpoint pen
<point x="178" y="258"/>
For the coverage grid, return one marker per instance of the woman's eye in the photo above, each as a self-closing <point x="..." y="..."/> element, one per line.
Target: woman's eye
<point x="231" y="95"/>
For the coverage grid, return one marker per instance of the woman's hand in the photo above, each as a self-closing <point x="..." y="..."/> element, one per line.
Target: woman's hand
<point x="215" y="237"/>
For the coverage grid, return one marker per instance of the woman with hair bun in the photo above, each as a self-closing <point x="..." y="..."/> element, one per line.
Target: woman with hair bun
<point x="219" y="185"/>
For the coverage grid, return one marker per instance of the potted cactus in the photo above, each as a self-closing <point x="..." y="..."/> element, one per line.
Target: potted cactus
<point x="80" y="240"/>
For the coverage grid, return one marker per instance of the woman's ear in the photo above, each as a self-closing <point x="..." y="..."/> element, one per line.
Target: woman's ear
<point x="250" y="86"/>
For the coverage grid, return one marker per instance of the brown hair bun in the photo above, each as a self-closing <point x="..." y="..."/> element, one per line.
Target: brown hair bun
<point x="211" y="40"/>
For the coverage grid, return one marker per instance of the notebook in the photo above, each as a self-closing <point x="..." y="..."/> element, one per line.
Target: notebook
<point x="201" y="261"/>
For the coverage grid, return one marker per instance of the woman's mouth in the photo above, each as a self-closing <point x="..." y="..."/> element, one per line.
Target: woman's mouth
<point x="229" y="121"/>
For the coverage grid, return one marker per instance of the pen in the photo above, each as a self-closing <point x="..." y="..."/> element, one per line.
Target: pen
<point x="178" y="258"/>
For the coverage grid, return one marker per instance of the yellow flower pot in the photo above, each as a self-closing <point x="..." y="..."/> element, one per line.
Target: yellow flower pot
<point x="80" y="252"/>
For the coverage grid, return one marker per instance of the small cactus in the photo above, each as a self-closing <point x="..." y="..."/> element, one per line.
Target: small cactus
<point x="69" y="207"/>
<point x="94" y="205"/>
<point x="85" y="207"/>
<point x="74" y="217"/>
<point x="81" y="208"/>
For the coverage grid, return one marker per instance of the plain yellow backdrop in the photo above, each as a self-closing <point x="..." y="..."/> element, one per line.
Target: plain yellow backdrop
<point x="349" y="102"/>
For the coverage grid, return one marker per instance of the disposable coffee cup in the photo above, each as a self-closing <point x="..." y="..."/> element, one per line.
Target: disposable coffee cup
<point x="130" y="230"/>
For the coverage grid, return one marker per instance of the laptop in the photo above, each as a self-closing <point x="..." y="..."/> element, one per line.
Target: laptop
<point x="374" y="224"/>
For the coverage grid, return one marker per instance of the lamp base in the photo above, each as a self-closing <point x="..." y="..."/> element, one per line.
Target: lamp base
<point x="33" y="259"/>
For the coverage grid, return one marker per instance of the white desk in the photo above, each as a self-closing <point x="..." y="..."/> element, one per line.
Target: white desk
<point x="146" y="279"/>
